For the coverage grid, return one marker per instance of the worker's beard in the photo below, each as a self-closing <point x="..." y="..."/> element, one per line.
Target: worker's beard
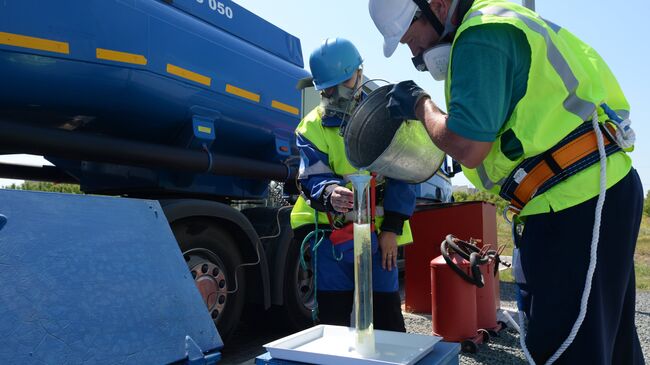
<point x="341" y="102"/>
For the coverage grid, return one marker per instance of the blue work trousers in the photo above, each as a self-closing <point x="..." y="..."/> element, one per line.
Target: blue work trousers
<point x="335" y="271"/>
<point x="555" y="250"/>
<point x="335" y="285"/>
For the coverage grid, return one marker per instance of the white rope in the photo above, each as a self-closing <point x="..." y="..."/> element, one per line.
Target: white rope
<point x="592" y="259"/>
<point x="625" y="136"/>
<point x="522" y="338"/>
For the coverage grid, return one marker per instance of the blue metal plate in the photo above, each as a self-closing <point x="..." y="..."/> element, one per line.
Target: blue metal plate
<point x="86" y="279"/>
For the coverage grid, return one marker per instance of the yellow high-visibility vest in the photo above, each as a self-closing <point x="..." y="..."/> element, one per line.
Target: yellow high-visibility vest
<point x="566" y="82"/>
<point x="329" y="141"/>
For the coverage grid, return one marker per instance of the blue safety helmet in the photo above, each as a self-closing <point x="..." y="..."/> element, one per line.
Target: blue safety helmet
<point x="334" y="62"/>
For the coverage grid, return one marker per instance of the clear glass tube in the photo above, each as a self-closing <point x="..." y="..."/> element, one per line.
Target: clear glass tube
<point x="364" y="336"/>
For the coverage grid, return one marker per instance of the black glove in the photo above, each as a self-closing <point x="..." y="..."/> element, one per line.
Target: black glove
<point x="403" y="98"/>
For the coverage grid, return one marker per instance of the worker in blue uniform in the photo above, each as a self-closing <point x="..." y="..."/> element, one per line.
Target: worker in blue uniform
<point x="326" y="200"/>
<point x="535" y="115"/>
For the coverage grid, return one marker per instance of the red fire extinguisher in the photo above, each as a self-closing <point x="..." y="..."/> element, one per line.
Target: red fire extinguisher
<point x="453" y="300"/>
<point x="463" y="293"/>
<point x="486" y="311"/>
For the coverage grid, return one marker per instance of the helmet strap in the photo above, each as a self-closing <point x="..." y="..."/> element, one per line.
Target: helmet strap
<point x="418" y="61"/>
<point x="426" y="11"/>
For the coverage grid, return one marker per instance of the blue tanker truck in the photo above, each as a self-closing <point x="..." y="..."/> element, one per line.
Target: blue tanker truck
<point x="184" y="107"/>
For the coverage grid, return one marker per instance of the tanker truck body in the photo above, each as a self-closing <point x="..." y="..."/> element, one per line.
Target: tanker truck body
<point x="178" y="74"/>
<point x="191" y="103"/>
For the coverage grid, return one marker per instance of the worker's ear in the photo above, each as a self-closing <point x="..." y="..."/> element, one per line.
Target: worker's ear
<point x="440" y="8"/>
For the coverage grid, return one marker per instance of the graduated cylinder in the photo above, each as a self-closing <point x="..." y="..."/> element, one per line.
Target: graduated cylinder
<point x="364" y="336"/>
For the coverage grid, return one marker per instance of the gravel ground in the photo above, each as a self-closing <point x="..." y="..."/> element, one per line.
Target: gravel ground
<point x="505" y="348"/>
<point x="249" y="340"/>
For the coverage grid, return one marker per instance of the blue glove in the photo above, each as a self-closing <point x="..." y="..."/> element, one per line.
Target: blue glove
<point x="403" y="98"/>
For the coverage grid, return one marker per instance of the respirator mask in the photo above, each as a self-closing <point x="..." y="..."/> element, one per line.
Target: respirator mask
<point x="343" y="100"/>
<point x="436" y="59"/>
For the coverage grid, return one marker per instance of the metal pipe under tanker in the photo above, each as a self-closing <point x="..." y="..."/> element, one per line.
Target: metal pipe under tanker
<point x="184" y="74"/>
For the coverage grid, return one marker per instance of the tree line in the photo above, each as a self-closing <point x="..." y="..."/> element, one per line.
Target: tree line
<point x="459" y="196"/>
<point x="46" y="186"/>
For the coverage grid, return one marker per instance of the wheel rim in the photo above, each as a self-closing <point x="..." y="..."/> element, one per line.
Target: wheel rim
<point x="209" y="275"/>
<point x="304" y="279"/>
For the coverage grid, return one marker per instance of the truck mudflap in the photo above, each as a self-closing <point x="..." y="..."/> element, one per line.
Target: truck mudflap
<point x="89" y="279"/>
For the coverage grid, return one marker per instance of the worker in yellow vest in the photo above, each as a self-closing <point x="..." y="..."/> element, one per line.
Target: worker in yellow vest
<point x="326" y="198"/>
<point x="535" y="115"/>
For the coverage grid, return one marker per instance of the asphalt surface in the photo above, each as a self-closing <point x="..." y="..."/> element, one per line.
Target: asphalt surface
<point x="248" y="341"/>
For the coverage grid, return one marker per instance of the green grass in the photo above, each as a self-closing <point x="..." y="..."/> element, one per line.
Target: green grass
<point x="504" y="237"/>
<point x="641" y="256"/>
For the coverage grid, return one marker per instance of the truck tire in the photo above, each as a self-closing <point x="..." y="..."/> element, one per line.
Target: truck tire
<point x="298" y="289"/>
<point x="213" y="258"/>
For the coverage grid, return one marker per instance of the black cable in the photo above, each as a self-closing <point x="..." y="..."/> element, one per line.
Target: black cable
<point x="475" y="263"/>
<point x="474" y="259"/>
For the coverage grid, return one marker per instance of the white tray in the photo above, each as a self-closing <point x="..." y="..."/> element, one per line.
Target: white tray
<point x="324" y="344"/>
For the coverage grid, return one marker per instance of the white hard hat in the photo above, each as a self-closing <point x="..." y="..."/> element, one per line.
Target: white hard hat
<point x="393" y="18"/>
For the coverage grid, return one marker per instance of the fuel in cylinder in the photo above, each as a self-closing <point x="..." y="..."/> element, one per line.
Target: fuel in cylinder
<point x="364" y="334"/>
<point x="365" y="338"/>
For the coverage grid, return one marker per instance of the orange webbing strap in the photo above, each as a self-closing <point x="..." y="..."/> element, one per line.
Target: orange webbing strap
<point x="561" y="159"/>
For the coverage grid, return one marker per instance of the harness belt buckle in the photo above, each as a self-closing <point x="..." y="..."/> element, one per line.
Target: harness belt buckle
<point x="609" y="127"/>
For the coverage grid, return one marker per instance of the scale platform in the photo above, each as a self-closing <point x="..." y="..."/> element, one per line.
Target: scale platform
<point x="325" y="344"/>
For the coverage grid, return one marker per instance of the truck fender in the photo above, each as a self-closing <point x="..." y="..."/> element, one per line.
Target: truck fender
<point x="235" y="222"/>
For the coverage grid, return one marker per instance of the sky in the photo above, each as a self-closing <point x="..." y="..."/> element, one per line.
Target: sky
<point x="617" y="30"/>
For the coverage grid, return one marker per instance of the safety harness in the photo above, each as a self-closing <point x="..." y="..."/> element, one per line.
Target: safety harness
<point x="583" y="147"/>
<point x="536" y="175"/>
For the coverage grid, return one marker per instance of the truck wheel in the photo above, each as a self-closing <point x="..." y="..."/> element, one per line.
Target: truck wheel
<point x="298" y="288"/>
<point x="213" y="258"/>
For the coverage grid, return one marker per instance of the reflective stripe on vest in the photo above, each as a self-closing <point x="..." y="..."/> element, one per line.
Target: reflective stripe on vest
<point x="315" y="169"/>
<point x="485" y="180"/>
<point x="573" y="103"/>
